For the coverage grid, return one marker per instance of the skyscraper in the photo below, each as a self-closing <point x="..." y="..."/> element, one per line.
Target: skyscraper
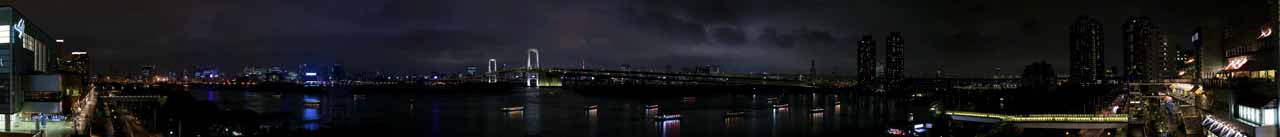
<point x="1144" y="50"/>
<point x="1086" y="51"/>
<point x="866" y="59"/>
<point x="893" y="58"/>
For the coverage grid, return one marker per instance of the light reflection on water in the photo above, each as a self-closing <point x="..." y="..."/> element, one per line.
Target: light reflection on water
<point x="310" y="114"/>
<point x="563" y="113"/>
<point x="670" y="128"/>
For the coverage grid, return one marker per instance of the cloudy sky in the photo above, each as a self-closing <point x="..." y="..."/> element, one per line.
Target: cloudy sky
<point x="970" y="37"/>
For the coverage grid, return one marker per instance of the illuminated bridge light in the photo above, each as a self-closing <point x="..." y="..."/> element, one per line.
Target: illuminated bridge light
<point x="1033" y="118"/>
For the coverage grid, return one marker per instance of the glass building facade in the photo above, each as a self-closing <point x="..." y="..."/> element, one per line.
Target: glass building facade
<point x="24" y="50"/>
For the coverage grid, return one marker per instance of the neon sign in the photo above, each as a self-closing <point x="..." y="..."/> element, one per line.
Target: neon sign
<point x="1236" y="62"/>
<point x="1266" y="31"/>
<point x="1195" y="37"/>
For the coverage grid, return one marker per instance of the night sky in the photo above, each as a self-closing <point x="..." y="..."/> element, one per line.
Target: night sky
<point x="969" y="37"/>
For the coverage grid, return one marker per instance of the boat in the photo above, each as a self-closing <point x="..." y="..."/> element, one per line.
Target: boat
<point x="816" y="110"/>
<point x="734" y="114"/>
<point x="781" y="105"/>
<point x="666" y="117"/>
<point x="651" y="106"/>
<point x="515" y="108"/>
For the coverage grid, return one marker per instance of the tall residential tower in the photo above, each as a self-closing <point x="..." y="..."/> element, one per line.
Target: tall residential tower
<point x="1145" y="52"/>
<point x="893" y="58"/>
<point x="866" y="59"/>
<point x="1086" y="51"/>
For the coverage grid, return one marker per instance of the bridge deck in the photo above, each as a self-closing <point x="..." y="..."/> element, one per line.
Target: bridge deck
<point x="1057" y="121"/>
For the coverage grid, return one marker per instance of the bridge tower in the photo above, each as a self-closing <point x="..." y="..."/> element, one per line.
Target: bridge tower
<point x="491" y="74"/>
<point x="532" y="62"/>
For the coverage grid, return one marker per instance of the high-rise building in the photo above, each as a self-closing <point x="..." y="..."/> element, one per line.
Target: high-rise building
<point x="76" y="63"/>
<point x="1197" y="51"/>
<point x="1185" y="63"/>
<point x="148" y="72"/>
<point x="471" y="70"/>
<point x="1038" y="76"/>
<point x="1145" y="50"/>
<point x="336" y="73"/>
<point x="309" y="74"/>
<point x="893" y="58"/>
<point x="1164" y="57"/>
<point x="1086" y="51"/>
<point x="866" y="59"/>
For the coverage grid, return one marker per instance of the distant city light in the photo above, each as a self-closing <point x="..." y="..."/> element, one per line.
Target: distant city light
<point x="59" y="40"/>
<point x="79" y="53"/>
<point x="310" y="74"/>
<point x="310" y="99"/>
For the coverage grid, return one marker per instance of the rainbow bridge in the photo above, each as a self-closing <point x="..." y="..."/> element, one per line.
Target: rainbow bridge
<point x="1050" y="121"/>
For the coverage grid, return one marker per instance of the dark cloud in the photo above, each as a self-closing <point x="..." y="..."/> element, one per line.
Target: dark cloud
<point x="445" y="35"/>
<point x="815" y="38"/>
<point x="771" y="36"/>
<point x="729" y="36"/>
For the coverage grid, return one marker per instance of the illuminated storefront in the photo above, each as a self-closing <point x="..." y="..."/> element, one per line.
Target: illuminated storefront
<point x="24" y="50"/>
<point x="1250" y="69"/>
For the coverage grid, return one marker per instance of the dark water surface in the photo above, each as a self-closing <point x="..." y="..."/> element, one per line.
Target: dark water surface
<point x="566" y="113"/>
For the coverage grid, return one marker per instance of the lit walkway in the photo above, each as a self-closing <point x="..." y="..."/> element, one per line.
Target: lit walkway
<point x="1053" y="121"/>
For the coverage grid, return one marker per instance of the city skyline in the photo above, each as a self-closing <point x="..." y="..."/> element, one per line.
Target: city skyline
<point x="609" y="33"/>
<point x="642" y="68"/>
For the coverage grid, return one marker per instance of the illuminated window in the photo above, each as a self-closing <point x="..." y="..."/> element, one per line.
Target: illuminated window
<point x="4" y="34"/>
<point x="1268" y="117"/>
<point x="1249" y="114"/>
